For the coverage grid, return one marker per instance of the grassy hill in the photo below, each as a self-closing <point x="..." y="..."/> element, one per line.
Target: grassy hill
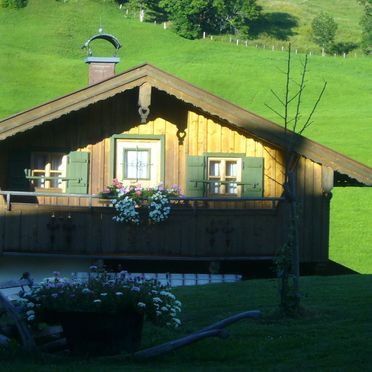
<point x="40" y="59"/>
<point x="297" y="23"/>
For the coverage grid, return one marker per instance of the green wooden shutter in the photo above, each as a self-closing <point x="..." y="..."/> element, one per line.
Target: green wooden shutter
<point x="17" y="163"/>
<point x="252" y="177"/>
<point x="78" y="172"/>
<point x="195" y="171"/>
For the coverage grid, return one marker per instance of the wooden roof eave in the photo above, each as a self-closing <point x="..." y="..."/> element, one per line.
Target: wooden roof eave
<point x="72" y="102"/>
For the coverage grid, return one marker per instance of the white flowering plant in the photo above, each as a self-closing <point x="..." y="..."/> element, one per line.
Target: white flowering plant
<point x="127" y="201"/>
<point x="102" y="292"/>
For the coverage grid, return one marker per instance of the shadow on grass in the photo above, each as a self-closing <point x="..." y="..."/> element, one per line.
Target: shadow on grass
<point x="278" y="25"/>
<point x="326" y="268"/>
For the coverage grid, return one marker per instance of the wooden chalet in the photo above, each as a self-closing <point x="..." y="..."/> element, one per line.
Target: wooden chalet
<point x="56" y="158"/>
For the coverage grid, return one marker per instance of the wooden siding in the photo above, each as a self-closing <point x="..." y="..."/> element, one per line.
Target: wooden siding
<point x="203" y="135"/>
<point x="91" y="129"/>
<point x="189" y="232"/>
<point x="313" y="211"/>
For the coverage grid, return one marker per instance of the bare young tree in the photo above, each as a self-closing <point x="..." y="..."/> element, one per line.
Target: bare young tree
<point x="288" y="258"/>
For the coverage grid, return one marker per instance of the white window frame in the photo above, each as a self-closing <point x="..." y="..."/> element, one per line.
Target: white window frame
<point x="154" y="148"/>
<point x="222" y="177"/>
<point x="47" y="171"/>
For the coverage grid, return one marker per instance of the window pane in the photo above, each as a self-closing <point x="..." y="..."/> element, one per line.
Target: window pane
<point x="214" y="168"/>
<point x="137" y="164"/>
<point x="231" y="188"/>
<point x="214" y="188"/>
<point x="231" y="168"/>
<point x="40" y="182"/>
<point x="40" y="161"/>
<point x="55" y="161"/>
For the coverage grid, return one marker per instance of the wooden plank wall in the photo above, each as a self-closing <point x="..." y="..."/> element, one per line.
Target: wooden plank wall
<point x="202" y="135"/>
<point x="187" y="233"/>
<point x="313" y="212"/>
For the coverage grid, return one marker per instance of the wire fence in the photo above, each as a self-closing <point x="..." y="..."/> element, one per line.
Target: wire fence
<point x="274" y="46"/>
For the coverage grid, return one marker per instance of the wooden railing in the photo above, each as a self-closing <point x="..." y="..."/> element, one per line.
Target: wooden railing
<point x="194" y="202"/>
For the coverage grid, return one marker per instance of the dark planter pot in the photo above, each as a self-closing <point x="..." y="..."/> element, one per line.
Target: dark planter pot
<point x="97" y="333"/>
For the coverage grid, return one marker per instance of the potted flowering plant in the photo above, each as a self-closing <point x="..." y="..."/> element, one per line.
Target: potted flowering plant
<point x="103" y="314"/>
<point x="128" y="200"/>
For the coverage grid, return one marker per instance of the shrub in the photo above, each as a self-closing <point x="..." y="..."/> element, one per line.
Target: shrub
<point x="15" y="4"/>
<point x="324" y="30"/>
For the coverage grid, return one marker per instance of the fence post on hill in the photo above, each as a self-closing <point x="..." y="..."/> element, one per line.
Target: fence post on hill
<point x="287" y="261"/>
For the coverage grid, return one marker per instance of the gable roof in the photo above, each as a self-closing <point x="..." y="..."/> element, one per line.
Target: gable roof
<point x="236" y="116"/>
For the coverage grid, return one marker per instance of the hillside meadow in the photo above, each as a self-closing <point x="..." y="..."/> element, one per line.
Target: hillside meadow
<point x="41" y="59"/>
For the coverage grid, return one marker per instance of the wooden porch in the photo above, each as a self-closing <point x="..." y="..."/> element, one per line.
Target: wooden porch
<point x="198" y="228"/>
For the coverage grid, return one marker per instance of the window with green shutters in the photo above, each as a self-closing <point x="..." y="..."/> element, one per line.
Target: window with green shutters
<point x="224" y="175"/>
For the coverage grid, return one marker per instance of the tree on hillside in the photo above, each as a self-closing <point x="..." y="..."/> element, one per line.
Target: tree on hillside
<point x="236" y="15"/>
<point x="366" y="23"/>
<point x="324" y="30"/>
<point x="191" y="18"/>
<point x="16" y="4"/>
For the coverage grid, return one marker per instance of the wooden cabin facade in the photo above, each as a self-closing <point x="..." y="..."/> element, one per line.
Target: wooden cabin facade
<point x="56" y="158"/>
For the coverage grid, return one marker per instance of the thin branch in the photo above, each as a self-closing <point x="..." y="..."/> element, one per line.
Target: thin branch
<point x="276" y="112"/>
<point x="287" y="89"/>
<point x="302" y="86"/>
<point x="277" y="97"/>
<point x="294" y="97"/>
<point x="307" y="123"/>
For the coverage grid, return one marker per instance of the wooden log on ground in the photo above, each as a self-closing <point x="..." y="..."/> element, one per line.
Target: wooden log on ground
<point x="176" y="344"/>
<point x="215" y="329"/>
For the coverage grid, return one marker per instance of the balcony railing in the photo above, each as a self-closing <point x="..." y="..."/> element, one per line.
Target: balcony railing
<point x="94" y="200"/>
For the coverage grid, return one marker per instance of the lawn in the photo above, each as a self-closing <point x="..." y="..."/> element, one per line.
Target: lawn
<point x="40" y="59"/>
<point x="335" y="333"/>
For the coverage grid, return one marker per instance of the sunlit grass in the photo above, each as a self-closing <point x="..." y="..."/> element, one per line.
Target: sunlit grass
<point x="40" y="59"/>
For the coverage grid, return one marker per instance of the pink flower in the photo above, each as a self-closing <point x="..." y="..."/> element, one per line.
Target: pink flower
<point x="139" y="192"/>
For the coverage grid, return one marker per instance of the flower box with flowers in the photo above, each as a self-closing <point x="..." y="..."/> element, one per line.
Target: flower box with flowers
<point x="104" y="314"/>
<point x="131" y="201"/>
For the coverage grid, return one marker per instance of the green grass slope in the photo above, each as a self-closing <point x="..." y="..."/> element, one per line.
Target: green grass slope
<point x="297" y="24"/>
<point x="40" y="59"/>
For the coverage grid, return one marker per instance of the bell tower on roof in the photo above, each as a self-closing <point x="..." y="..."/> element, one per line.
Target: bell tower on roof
<point x="101" y="68"/>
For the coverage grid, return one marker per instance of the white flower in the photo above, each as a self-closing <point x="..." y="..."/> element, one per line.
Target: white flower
<point x="157" y="299"/>
<point x="163" y="308"/>
<point x="103" y="294"/>
<point x="141" y="305"/>
<point x="97" y="301"/>
<point x="30" y="312"/>
<point x="86" y="290"/>
<point x="30" y="305"/>
<point x="119" y="293"/>
<point x="31" y="318"/>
